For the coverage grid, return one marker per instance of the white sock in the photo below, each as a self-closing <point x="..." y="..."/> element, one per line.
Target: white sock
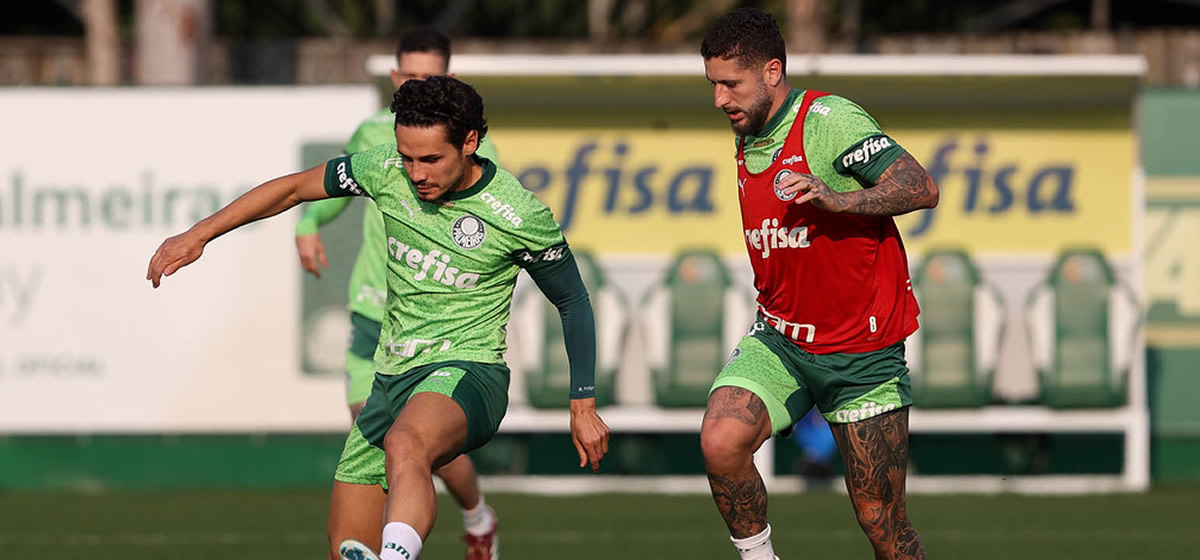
<point x="478" y="520"/>
<point x="755" y="547"/>
<point x="400" y="542"/>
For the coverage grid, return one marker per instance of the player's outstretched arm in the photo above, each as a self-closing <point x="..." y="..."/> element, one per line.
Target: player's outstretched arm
<point x="903" y="187"/>
<point x="263" y="201"/>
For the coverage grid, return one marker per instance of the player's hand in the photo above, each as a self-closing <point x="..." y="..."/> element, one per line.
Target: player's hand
<point x="175" y="253"/>
<point x="812" y="189"/>
<point x="589" y="433"/>
<point x="312" y="253"/>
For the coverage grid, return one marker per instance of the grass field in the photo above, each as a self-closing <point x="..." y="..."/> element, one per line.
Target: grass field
<point x="264" y="525"/>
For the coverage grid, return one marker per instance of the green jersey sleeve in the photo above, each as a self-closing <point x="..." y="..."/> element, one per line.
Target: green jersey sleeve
<point x="358" y="174"/>
<point x="541" y="247"/>
<point x="534" y="242"/>
<point x="340" y="180"/>
<point x="844" y="144"/>
<point x="370" y="133"/>
<point x="562" y="285"/>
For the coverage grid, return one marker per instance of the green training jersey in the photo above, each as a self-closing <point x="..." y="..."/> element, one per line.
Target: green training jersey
<point x="841" y="141"/>
<point x="368" y="283"/>
<point x="451" y="265"/>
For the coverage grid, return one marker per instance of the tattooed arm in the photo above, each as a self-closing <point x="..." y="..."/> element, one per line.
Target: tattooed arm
<point x="905" y="186"/>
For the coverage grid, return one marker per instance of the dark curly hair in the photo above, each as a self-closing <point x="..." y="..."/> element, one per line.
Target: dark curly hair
<point x="748" y="34"/>
<point x="440" y="100"/>
<point x="424" y="39"/>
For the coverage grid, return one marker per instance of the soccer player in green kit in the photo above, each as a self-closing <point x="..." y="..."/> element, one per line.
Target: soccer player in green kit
<point x="420" y="53"/>
<point x="818" y="185"/>
<point x="459" y="230"/>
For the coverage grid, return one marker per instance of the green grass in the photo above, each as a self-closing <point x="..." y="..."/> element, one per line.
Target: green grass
<point x="289" y="525"/>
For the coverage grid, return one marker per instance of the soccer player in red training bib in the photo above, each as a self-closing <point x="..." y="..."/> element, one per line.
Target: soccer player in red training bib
<point x="818" y="183"/>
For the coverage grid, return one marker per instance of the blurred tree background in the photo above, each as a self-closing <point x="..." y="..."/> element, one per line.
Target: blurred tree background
<point x="272" y="41"/>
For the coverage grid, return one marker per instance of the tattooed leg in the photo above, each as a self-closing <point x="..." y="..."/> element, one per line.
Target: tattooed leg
<point x="875" y="452"/>
<point x="735" y="424"/>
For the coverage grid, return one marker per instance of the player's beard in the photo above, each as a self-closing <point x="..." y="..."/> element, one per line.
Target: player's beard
<point x="756" y="114"/>
<point x="455" y="185"/>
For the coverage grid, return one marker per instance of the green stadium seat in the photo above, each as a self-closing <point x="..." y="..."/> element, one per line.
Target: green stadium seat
<point x="690" y="324"/>
<point x="543" y="356"/>
<point x="1082" y="324"/>
<point x="952" y="357"/>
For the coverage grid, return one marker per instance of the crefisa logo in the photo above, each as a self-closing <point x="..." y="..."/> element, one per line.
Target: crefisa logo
<point x="468" y="232"/>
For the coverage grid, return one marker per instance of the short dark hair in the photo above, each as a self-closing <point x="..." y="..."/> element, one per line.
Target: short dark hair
<point x="441" y="100"/>
<point x="424" y="39"/>
<point x="748" y="34"/>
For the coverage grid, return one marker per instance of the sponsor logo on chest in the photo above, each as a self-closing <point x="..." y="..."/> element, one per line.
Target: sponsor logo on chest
<point x="434" y="265"/>
<point x="770" y="236"/>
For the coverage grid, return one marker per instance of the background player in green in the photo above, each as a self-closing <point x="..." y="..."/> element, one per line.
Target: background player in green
<point x="818" y="185"/>
<point x="458" y="231"/>
<point x="420" y="53"/>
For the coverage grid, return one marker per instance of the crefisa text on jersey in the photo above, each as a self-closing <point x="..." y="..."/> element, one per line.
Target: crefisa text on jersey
<point x="435" y="259"/>
<point x="770" y="236"/>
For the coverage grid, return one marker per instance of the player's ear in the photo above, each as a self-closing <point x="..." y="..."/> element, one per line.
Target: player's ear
<point x="773" y="72"/>
<point x="395" y="79"/>
<point x="471" y="143"/>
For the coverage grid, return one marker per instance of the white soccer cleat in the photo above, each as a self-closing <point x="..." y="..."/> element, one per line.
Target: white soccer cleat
<point x="351" y="549"/>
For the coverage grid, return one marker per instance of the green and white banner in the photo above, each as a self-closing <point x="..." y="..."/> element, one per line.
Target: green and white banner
<point x="91" y="181"/>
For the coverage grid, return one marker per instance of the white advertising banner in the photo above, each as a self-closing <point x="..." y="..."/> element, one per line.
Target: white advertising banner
<point x="91" y="181"/>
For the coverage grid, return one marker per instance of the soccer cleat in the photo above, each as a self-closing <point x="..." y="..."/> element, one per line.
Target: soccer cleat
<point x="485" y="547"/>
<point x="351" y="549"/>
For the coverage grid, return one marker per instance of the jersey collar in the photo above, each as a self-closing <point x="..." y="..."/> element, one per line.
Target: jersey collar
<point x="489" y="171"/>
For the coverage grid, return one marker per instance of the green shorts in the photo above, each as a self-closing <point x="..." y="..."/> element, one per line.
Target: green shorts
<point x="481" y="390"/>
<point x="360" y="357"/>
<point x="845" y="387"/>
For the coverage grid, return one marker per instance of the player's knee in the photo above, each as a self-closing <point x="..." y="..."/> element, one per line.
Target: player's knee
<point x="403" y="446"/>
<point x="724" y="442"/>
